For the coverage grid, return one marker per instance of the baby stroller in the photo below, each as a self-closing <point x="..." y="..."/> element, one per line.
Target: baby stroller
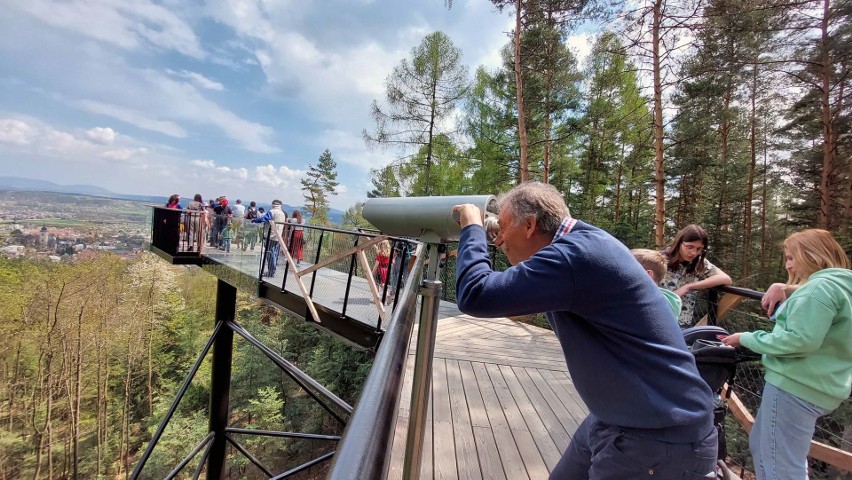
<point x="717" y="365"/>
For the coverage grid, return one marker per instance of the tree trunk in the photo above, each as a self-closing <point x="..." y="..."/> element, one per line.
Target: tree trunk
<point x="99" y="413"/>
<point x="825" y="108"/>
<point x="725" y="134"/>
<point x="124" y="445"/>
<point x="618" y="172"/>
<point x="431" y="135"/>
<point x="523" y="165"/>
<point x="75" y="413"/>
<point x="763" y="232"/>
<point x="659" y="173"/>
<point x="13" y="385"/>
<point x="752" y="141"/>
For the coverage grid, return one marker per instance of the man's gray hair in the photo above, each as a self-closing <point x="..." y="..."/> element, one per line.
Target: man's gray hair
<point x="541" y="200"/>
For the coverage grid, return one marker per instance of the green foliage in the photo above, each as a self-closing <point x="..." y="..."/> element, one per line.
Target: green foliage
<point x="385" y="183"/>
<point x="354" y="219"/>
<point x="141" y="324"/>
<point x="319" y="184"/>
<point x="422" y="93"/>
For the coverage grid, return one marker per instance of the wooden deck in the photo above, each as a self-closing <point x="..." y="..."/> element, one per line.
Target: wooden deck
<point x="502" y="407"/>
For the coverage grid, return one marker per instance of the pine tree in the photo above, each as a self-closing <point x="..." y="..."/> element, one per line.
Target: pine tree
<point x="319" y="184"/>
<point x="422" y="93"/>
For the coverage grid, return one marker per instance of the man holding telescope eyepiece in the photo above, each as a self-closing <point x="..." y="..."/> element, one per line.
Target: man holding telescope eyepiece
<point x="650" y="412"/>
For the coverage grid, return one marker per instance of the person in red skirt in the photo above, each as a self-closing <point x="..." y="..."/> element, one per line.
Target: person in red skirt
<point x="380" y="269"/>
<point x="297" y="236"/>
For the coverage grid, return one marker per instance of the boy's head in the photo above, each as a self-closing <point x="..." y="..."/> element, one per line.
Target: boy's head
<point x="652" y="261"/>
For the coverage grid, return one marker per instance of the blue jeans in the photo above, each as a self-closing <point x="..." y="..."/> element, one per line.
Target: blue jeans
<point x="272" y="258"/>
<point x="605" y="452"/>
<point x="781" y="435"/>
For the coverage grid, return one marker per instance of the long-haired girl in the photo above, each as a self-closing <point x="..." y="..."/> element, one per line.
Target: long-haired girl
<point x="807" y="355"/>
<point x="689" y="270"/>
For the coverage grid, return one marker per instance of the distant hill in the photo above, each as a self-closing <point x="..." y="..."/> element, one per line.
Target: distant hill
<point x="33" y="185"/>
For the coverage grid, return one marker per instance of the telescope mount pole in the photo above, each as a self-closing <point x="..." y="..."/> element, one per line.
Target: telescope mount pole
<point x="430" y="290"/>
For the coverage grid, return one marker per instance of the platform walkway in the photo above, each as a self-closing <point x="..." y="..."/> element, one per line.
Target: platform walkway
<point x="502" y="406"/>
<point x="328" y="286"/>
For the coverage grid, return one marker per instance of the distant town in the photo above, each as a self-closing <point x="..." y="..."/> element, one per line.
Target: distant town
<point x="60" y="226"/>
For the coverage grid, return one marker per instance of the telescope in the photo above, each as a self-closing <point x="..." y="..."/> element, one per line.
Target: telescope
<point x="430" y="219"/>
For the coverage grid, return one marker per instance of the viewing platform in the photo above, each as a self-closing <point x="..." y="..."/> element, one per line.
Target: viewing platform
<point x="500" y="404"/>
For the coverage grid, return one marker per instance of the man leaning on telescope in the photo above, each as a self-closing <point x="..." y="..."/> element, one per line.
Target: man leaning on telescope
<point x="650" y="412"/>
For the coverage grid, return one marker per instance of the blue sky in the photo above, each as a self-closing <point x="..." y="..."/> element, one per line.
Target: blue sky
<point x="215" y="97"/>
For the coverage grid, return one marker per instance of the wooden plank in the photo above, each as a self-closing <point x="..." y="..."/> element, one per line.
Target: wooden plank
<point x="499" y="406"/>
<point x="533" y="461"/>
<point x="497" y="356"/>
<point x="560" y="382"/>
<point x="401" y="430"/>
<point x="466" y="458"/>
<point x="498" y="359"/>
<point x="555" y="395"/>
<point x="558" y="422"/>
<point x="535" y="424"/>
<point x="513" y="463"/>
<point x="442" y="423"/>
<point x="488" y="454"/>
<point x="476" y="407"/>
<point x="508" y="345"/>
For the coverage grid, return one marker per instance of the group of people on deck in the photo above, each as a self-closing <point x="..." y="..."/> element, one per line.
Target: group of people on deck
<point x="618" y="315"/>
<point x="224" y="223"/>
<point x="650" y="411"/>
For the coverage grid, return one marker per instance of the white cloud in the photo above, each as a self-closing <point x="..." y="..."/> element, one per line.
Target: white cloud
<point x="104" y="136"/>
<point x="35" y="137"/>
<point x="124" y="154"/>
<point x="199" y="80"/>
<point x="187" y="103"/>
<point x="131" y="116"/>
<point x="277" y="177"/>
<point x="203" y="163"/>
<point x="127" y="25"/>
<point x="16" y="132"/>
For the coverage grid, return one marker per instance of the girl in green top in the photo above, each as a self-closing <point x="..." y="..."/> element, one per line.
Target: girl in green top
<point x="807" y="356"/>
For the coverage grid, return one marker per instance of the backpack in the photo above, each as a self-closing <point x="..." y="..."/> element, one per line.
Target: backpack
<point x="251" y="213"/>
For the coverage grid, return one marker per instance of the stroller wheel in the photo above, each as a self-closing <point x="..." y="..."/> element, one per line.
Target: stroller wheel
<point x="725" y="473"/>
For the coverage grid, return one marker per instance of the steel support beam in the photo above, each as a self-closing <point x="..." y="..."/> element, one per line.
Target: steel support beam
<point x="220" y="384"/>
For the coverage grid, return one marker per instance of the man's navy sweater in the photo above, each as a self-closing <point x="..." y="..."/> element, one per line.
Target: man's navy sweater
<point x="624" y="350"/>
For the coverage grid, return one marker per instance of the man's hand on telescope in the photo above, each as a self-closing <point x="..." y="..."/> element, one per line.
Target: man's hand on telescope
<point x="467" y="214"/>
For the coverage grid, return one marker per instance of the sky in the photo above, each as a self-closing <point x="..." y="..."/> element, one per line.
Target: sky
<point x="218" y="97"/>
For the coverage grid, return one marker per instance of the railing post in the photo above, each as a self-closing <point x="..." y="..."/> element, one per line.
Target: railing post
<point x="220" y="379"/>
<point x="712" y="306"/>
<point x="430" y="289"/>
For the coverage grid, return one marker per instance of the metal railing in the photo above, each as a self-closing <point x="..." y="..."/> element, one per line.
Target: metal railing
<point x="364" y="451"/>
<point x="221" y="341"/>
<point x="338" y="271"/>
<point x="345" y="257"/>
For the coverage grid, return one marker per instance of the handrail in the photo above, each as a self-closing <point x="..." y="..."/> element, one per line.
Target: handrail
<point x="364" y="449"/>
